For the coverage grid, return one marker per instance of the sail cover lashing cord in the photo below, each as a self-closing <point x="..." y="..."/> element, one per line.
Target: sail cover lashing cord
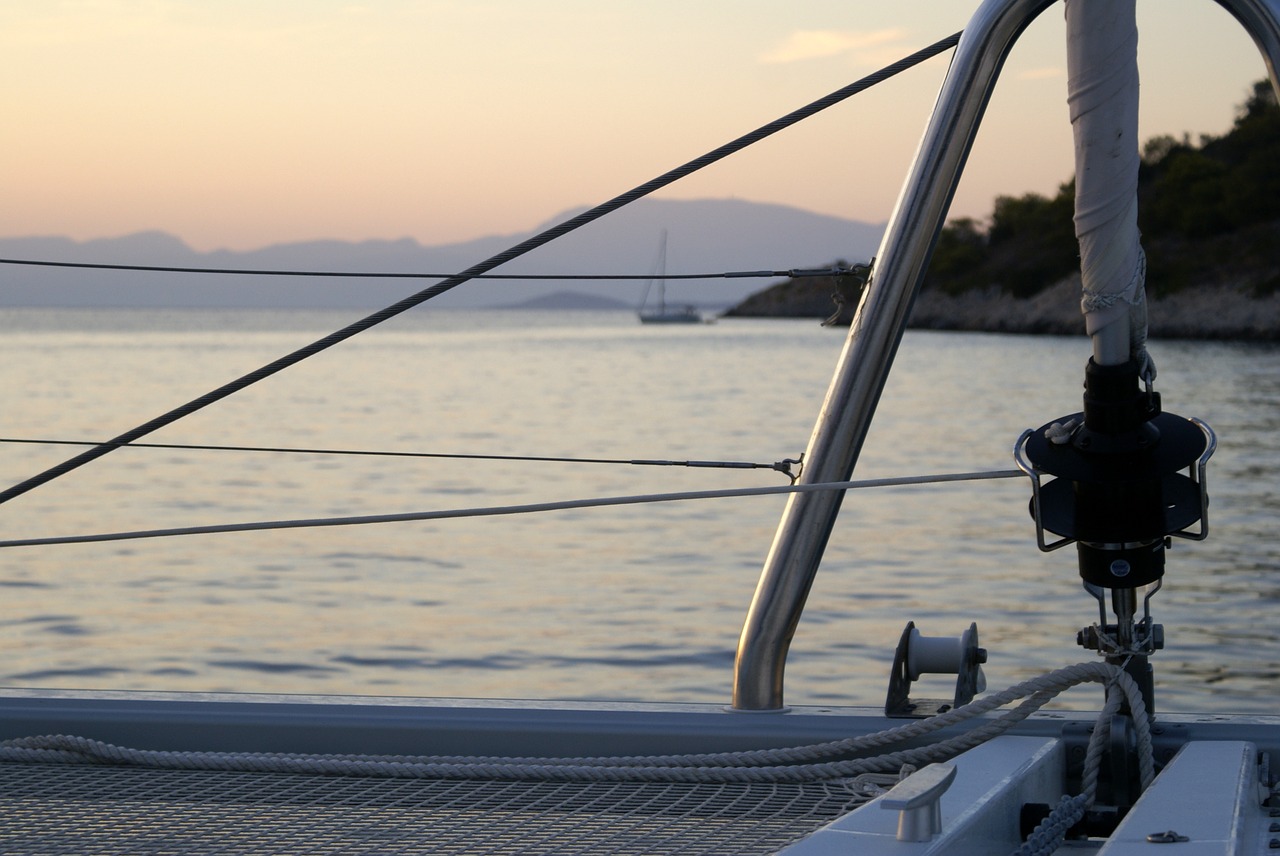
<point x="1102" y="95"/>
<point x="483" y="267"/>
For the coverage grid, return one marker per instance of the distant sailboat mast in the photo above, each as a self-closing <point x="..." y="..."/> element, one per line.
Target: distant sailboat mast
<point x="663" y="315"/>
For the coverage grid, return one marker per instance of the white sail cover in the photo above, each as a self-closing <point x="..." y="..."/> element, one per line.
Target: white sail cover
<point x="1102" y="94"/>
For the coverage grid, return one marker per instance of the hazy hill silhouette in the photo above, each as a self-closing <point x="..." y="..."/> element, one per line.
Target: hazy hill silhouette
<point x="704" y="236"/>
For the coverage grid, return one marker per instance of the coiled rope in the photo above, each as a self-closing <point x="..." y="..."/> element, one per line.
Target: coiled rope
<point x="1048" y="835"/>
<point x="813" y="763"/>
<point x="476" y="270"/>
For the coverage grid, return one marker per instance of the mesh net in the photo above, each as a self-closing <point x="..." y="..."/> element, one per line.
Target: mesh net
<point x="86" y="809"/>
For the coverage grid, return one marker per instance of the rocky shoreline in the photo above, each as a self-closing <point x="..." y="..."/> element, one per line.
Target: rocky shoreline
<point x="1214" y="312"/>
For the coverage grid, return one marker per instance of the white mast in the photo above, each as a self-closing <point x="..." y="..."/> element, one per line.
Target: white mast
<point x="1102" y="93"/>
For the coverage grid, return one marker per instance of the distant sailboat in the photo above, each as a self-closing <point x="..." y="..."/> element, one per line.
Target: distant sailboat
<point x="663" y="314"/>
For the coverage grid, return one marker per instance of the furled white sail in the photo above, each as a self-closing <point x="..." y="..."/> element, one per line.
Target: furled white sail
<point x="1102" y="93"/>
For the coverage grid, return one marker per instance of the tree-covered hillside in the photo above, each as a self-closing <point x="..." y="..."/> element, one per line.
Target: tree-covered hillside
<point x="1209" y="212"/>
<point x="1210" y="217"/>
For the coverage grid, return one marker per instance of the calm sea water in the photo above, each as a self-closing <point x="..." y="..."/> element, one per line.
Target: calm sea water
<point x="639" y="602"/>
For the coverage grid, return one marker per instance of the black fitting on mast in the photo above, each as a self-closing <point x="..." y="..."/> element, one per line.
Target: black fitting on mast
<point x="1118" y="492"/>
<point x="1119" y="521"/>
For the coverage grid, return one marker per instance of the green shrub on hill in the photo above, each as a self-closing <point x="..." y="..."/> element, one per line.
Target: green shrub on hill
<point x="1206" y="211"/>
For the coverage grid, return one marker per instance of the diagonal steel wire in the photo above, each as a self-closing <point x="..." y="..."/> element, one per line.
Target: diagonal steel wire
<point x="501" y="258"/>
<point x="783" y="466"/>
<point x="507" y="510"/>
<point x="794" y="273"/>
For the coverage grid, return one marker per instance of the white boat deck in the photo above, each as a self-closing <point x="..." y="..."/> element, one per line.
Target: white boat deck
<point x="1209" y="792"/>
<point x="1208" y="800"/>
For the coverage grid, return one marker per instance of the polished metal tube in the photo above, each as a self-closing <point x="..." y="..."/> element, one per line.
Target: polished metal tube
<point x="1261" y="20"/>
<point x="880" y="321"/>
<point x="869" y="350"/>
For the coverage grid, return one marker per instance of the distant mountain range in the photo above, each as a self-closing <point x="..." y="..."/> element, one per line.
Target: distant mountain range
<point x="704" y="236"/>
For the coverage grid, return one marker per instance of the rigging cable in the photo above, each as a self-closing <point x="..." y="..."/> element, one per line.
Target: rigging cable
<point x="483" y="267"/>
<point x="500" y="510"/>
<point x="793" y="273"/>
<point x="783" y="466"/>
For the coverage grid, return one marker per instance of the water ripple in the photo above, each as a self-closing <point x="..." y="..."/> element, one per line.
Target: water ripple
<point x="265" y="667"/>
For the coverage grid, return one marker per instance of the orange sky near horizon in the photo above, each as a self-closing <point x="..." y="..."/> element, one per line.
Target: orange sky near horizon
<point x="240" y="124"/>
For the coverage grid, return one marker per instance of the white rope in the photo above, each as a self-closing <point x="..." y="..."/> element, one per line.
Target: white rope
<point x="1049" y="834"/>
<point x="818" y="762"/>
<point x="493" y="511"/>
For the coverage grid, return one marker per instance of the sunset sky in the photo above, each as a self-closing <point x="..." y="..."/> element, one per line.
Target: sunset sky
<point x="241" y="123"/>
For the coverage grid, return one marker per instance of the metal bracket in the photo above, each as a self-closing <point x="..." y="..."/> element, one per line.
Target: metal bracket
<point x="1198" y="471"/>
<point x="1020" y="460"/>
